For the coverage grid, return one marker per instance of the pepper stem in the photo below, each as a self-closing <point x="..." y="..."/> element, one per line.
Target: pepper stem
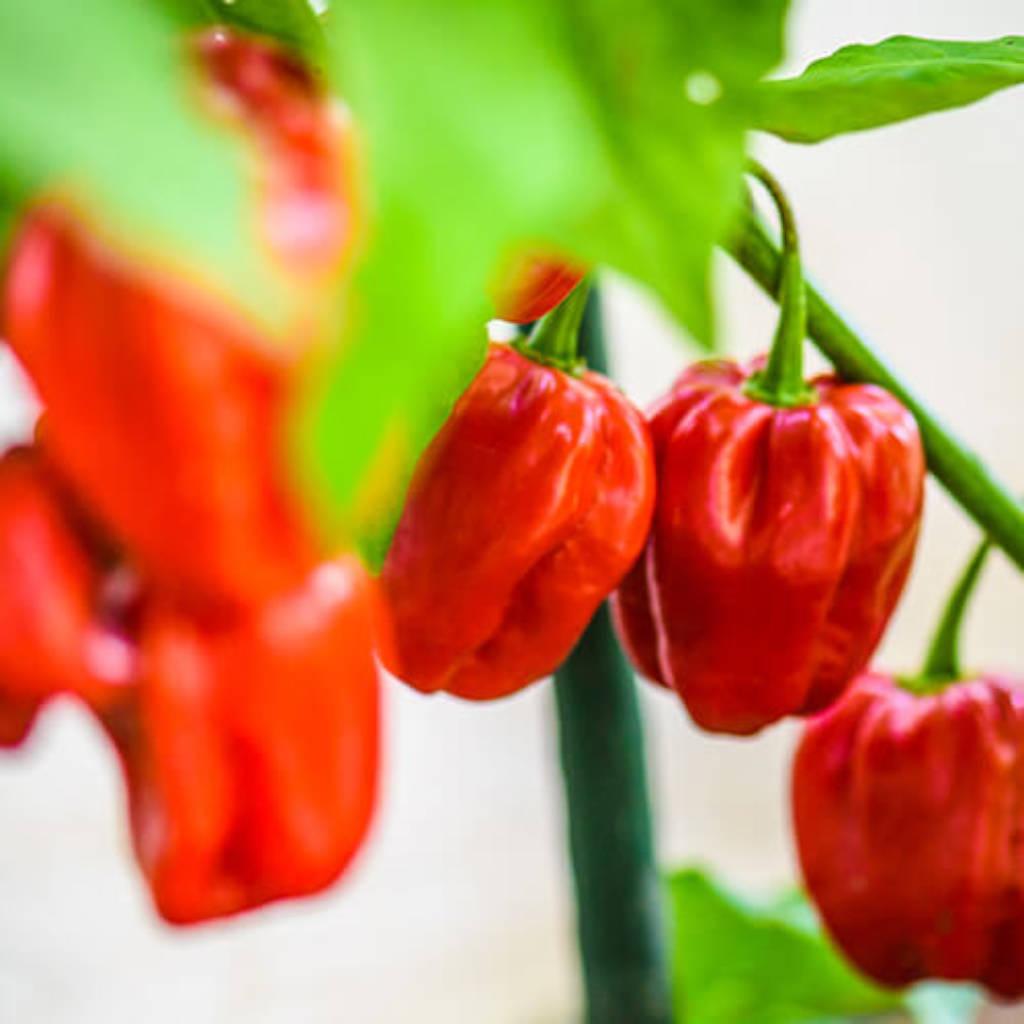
<point x="555" y="339"/>
<point x="781" y="382"/>
<point x="942" y="665"/>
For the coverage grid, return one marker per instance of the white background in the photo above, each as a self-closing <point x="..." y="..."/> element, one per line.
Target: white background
<point x="458" y="911"/>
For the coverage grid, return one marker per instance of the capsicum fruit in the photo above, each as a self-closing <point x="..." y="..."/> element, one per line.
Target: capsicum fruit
<point x="166" y="407"/>
<point x="51" y="641"/>
<point x="533" y="286"/>
<point x="524" y="512"/>
<point x="786" y="522"/>
<point x="250" y="746"/>
<point x="908" y="806"/>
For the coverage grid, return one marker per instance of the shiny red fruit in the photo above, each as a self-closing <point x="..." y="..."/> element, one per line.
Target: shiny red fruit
<point x="909" y="815"/>
<point x="525" y="511"/>
<point x="782" y="539"/>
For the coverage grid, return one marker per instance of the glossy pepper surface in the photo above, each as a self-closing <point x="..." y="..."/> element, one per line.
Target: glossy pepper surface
<point x="909" y="815"/>
<point x="533" y="287"/>
<point x="250" y="747"/>
<point x="165" y="408"/>
<point x="50" y="639"/>
<point x="782" y="539"/>
<point x="524" y="512"/>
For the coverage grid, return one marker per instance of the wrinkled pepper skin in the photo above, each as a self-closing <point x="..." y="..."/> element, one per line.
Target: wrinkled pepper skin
<point x="909" y="815"/>
<point x="782" y="539"/>
<point x="50" y="642"/>
<point x="534" y="287"/>
<point x="164" y="408"/>
<point x="523" y="514"/>
<point x="250" y="748"/>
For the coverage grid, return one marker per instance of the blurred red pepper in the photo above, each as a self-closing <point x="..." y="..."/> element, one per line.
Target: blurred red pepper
<point x="785" y="526"/>
<point x="165" y="408"/>
<point x="250" y="746"/>
<point x="533" y="287"/>
<point x="525" y="511"/>
<point x="50" y="640"/>
<point x="908" y="803"/>
<point x="233" y="670"/>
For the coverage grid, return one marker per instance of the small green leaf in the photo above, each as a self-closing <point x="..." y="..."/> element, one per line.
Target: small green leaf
<point x="739" y="960"/>
<point x="862" y="87"/>
<point x="612" y="131"/>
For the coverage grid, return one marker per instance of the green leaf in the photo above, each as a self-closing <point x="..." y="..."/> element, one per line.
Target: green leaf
<point x="862" y="87"/>
<point x="767" y="961"/>
<point x="611" y="130"/>
<point x="96" y="107"/>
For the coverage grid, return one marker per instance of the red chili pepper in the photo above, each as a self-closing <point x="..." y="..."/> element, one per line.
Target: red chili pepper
<point x="525" y="511"/>
<point x="250" y="747"/>
<point x="909" y="815"/>
<point x="534" y="286"/>
<point x="785" y="526"/>
<point x="165" y="408"/>
<point x="781" y="543"/>
<point x="49" y="640"/>
<point x="303" y="142"/>
<point x="908" y="804"/>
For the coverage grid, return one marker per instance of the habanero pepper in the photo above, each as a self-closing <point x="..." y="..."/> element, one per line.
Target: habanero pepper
<point x="250" y="746"/>
<point x="785" y="526"/>
<point x="533" y="286"/>
<point x="50" y="640"/>
<point x="526" y="509"/>
<point x="908" y="807"/>
<point x="165" y="410"/>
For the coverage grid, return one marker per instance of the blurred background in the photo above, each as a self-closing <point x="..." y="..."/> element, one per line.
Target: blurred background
<point x="459" y="908"/>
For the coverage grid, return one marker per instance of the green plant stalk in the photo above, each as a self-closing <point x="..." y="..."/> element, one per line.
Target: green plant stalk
<point x="781" y="382"/>
<point x="968" y="481"/>
<point x="942" y="664"/>
<point x="621" y="914"/>
<point x="555" y="339"/>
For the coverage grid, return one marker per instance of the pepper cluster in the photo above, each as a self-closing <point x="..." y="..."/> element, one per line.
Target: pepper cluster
<point x="756" y="530"/>
<point x="157" y="564"/>
<point x="768" y="525"/>
<point x="754" y="533"/>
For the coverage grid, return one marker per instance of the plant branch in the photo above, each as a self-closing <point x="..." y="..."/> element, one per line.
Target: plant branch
<point x="969" y="482"/>
<point x="942" y="664"/>
<point x="620" y="903"/>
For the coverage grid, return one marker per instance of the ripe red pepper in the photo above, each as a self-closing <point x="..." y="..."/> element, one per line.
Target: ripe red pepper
<point x="784" y="530"/>
<point x="524" y="512"/>
<point x="909" y="816"/>
<point x="234" y="672"/>
<point x="165" y="408"/>
<point x="250" y="746"/>
<point x="534" y="286"/>
<point x="50" y="640"/>
<point x="908" y="804"/>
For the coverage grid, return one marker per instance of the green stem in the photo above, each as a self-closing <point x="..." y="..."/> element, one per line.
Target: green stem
<point x="959" y="470"/>
<point x="554" y="341"/>
<point x="619" y="896"/>
<point x="782" y="380"/>
<point x="942" y="665"/>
